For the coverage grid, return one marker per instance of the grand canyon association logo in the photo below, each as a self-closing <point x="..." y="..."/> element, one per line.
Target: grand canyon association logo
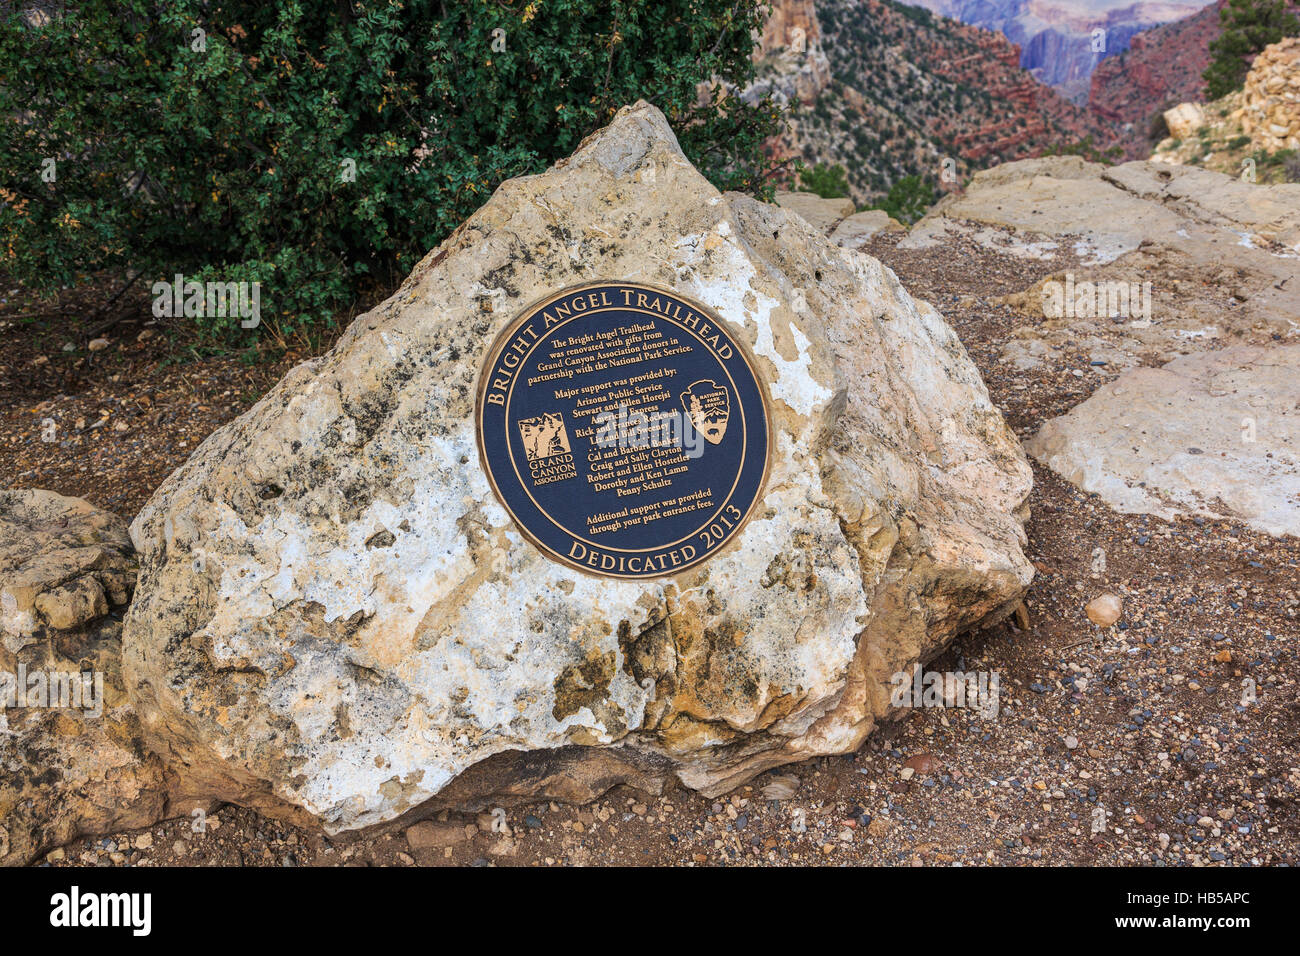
<point x="709" y="407"/>
<point x="546" y="446"/>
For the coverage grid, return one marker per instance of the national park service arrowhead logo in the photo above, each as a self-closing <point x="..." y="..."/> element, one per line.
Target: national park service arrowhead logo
<point x="709" y="408"/>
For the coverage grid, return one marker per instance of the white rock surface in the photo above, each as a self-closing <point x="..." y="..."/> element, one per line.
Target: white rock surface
<point x="1216" y="434"/>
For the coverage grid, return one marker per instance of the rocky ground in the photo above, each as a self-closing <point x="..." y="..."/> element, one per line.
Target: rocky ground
<point x="1143" y="722"/>
<point x="107" y="423"/>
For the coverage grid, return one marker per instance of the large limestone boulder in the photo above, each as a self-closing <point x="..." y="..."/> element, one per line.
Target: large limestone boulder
<point x="72" y="758"/>
<point x="1216" y="434"/>
<point x="336" y="617"/>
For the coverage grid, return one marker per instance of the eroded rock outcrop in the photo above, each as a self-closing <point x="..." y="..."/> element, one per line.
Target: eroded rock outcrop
<point x="791" y="61"/>
<point x="1060" y="40"/>
<point x="913" y="94"/>
<point x="72" y="760"/>
<point x="1161" y="67"/>
<point x="1270" y="98"/>
<point x="336" y="617"/>
<point x="1251" y="132"/>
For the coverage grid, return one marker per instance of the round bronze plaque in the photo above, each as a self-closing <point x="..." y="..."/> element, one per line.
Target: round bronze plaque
<point x="624" y="429"/>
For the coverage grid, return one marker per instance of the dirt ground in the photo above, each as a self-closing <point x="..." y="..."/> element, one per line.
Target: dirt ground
<point x="1144" y="722"/>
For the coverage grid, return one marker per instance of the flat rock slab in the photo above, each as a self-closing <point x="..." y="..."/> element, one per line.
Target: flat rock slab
<point x="1199" y="260"/>
<point x="821" y="214"/>
<point x="1216" y="434"/>
<point x="336" y="617"/>
<point x="856" y="231"/>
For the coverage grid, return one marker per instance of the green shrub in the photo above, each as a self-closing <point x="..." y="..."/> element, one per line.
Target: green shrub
<point x="1291" y="167"/>
<point x="1282" y="166"/>
<point x="908" y="199"/>
<point x="827" y="181"/>
<point x="322" y="148"/>
<point x="1248" y="27"/>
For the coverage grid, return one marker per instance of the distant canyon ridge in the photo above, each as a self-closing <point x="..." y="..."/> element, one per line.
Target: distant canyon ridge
<point x="1058" y="39"/>
<point x="889" y="90"/>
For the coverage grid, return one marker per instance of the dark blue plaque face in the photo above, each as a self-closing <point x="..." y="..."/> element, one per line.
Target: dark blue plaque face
<point x="624" y="429"/>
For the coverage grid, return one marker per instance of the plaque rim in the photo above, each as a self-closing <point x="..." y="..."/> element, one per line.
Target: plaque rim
<point x="743" y="349"/>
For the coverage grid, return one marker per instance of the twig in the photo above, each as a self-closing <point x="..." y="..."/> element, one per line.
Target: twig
<point x="105" y="326"/>
<point x="1078" y="643"/>
<point x="29" y="315"/>
<point x="725" y="30"/>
